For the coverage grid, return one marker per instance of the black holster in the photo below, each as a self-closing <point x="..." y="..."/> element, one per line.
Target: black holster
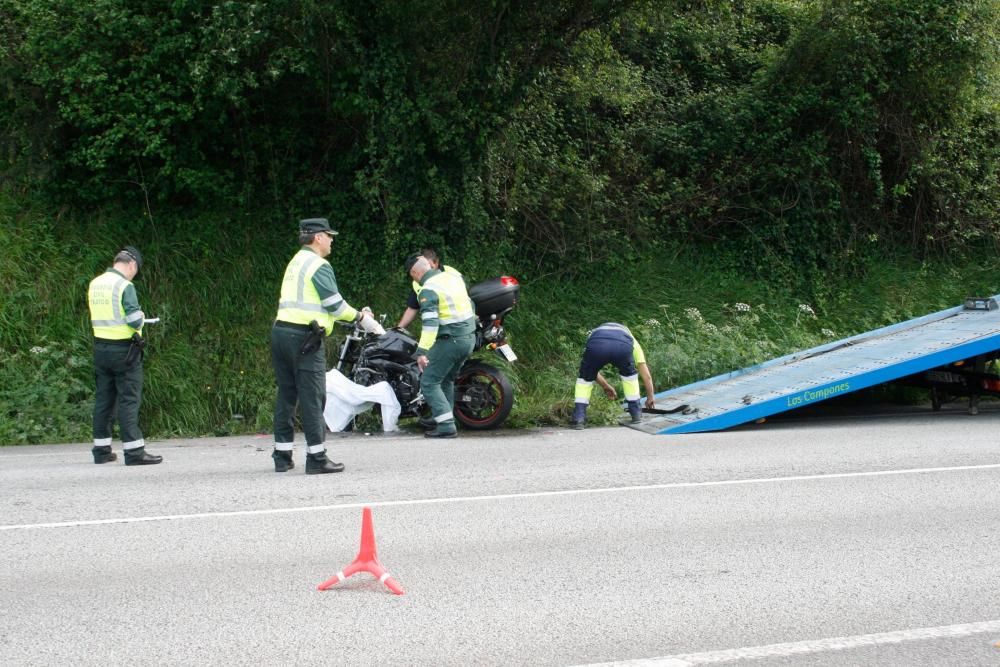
<point x="313" y="339"/>
<point x="135" y="350"/>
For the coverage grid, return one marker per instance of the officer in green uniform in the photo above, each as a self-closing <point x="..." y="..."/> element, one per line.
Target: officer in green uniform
<point x="412" y="305"/>
<point x="446" y="339"/>
<point x="309" y="305"/>
<point x="117" y="321"/>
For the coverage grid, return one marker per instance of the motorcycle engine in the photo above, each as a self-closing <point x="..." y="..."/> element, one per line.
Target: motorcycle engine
<point x="367" y="376"/>
<point x="402" y="377"/>
<point x="406" y="386"/>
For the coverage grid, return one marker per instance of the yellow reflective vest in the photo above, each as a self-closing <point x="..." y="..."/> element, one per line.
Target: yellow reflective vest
<point x="445" y="269"/>
<point x="444" y="303"/>
<point x="300" y="303"/>
<point x="107" y="312"/>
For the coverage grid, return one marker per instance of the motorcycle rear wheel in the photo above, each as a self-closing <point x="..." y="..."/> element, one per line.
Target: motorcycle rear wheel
<point x="483" y="397"/>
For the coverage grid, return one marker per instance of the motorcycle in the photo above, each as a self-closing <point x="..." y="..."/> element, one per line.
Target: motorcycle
<point x="483" y="394"/>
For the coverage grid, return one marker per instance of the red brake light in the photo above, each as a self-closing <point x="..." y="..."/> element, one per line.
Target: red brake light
<point x="507" y="281"/>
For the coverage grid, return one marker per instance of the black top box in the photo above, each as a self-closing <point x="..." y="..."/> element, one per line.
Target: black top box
<point x="494" y="298"/>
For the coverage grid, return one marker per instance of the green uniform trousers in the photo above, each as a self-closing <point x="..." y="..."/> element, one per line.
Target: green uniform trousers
<point x="119" y="389"/>
<point x="445" y="359"/>
<point x="301" y="378"/>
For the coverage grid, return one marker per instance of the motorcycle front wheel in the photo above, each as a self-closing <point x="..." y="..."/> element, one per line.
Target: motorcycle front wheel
<point x="483" y="396"/>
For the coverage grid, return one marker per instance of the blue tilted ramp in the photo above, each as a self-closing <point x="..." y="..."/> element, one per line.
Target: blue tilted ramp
<point x="834" y="369"/>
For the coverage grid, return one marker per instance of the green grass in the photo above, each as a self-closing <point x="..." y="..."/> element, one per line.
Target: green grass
<point x="208" y="363"/>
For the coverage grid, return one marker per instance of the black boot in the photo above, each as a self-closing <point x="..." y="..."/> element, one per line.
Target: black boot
<point x="318" y="464"/>
<point x="139" y="457"/>
<point x="579" y="419"/>
<point x="441" y="433"/>
<point x="103" y="455"/>
<point x="282" y="460"/>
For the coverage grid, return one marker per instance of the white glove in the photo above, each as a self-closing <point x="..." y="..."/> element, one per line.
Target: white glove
<point x="369" y="324"/>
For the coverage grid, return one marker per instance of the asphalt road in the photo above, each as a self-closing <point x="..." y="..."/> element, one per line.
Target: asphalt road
<point x="861" y="540"/>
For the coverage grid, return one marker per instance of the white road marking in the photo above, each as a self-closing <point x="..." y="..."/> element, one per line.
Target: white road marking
<point x="808" y="646"/>
<point x="506" y="496"/>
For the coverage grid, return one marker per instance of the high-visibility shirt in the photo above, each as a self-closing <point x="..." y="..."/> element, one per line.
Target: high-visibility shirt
<point x="309" y="292"/>
<point x="613" y="330"/>
<point x="114" y="307"/>
<point x="445" y="308"/>
<point x="412" y="302"/>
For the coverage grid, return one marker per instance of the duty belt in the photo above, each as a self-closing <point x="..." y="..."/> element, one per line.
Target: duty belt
<point x="292" y="325"/>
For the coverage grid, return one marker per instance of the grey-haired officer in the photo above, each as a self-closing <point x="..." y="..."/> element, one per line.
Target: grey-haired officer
<point x="447" y="336"/>
<point x="309" y="305"/>
<point x="412" y="304"/>
<point x="117" y="322"/>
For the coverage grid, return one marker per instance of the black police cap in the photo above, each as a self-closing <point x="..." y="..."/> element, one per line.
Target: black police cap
<point x="134" y="253"/>
<point x="315" y="225"/>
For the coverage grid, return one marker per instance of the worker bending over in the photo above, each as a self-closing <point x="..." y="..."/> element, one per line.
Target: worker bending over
<point x="612" y="343"/>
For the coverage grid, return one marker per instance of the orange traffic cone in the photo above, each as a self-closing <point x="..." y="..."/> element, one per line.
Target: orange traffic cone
<point x="366" y="560"/>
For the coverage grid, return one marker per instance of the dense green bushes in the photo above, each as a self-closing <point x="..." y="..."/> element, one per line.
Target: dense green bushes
<point x="794" y="131"/>
<point x="796" y="134"/>
<point x="378" y="113"/>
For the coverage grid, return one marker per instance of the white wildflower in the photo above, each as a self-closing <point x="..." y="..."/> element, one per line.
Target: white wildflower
<point x="742" y="307"/>
<point x="652" y="322"/>
<point x="828" y="333"/>
<point x="693" y="314"/>
<point x="807" y="309"/>
<point x="37" y="349"/>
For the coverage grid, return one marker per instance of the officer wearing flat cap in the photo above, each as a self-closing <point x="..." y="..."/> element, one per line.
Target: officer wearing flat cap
<point x="447" y="336"/>
<point x="309" y="305"/>
<point x="117" y="322"/>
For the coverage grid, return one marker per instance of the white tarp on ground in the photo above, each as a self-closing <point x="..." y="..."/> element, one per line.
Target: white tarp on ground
<point x="344" y="400"/>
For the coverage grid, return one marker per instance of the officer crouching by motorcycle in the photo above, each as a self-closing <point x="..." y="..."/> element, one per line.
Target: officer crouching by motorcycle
<point x="447" y="337"/>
